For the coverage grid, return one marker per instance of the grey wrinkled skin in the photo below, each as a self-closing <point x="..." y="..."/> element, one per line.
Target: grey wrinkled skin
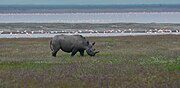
<point x="72" y="44"/>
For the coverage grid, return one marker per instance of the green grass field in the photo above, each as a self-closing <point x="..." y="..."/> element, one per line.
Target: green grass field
<point x="123" y="62"/>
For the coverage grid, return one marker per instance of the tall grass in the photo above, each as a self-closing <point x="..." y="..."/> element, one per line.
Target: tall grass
<point x="128" y="61"/>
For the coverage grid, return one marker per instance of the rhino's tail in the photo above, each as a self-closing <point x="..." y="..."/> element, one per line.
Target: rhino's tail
<point x="51" y="45"/>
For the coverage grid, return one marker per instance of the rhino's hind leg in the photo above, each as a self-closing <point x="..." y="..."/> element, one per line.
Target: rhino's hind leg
<point x="55" y="50"/>
<point x="54" y="54"/>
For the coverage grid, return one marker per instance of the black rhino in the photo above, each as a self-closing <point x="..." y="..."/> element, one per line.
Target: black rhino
<point x="72" y="43"/>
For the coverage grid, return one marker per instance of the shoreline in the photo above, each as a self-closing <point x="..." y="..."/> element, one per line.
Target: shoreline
<point x="83" y="34"/>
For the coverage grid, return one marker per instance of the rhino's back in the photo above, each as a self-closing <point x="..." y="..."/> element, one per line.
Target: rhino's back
<point x="68" y="42"/>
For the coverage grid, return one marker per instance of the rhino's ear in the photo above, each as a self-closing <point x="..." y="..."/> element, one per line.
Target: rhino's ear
<point x="93" y="43"/>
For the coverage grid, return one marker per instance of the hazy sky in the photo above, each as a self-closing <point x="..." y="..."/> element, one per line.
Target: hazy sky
<point x="84" y="2"/>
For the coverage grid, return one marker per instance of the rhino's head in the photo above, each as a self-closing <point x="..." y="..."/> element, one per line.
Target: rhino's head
<point x="90" y="50"/>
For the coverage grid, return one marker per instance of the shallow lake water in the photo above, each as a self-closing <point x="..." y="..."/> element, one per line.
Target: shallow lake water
<point x="137" y="17"/>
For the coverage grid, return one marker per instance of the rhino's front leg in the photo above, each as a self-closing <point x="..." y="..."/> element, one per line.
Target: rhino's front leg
<point x="74" y="52"/>
<point x="81" y="52"/>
